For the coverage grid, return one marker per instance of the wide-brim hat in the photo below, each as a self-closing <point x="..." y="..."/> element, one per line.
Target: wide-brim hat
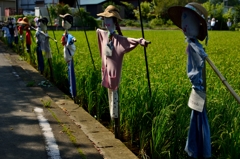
<point x="110" y="11"/>
<point x="43" y="20"/>
<point x="68" y="17"/>
<point x="175" y="14"/>
<point x="24" y="21"/>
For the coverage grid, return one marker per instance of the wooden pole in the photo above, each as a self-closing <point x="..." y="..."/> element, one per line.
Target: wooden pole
<point x="224" y="81"/>
<point x="205" y="83"/>
<point x="81" y="17"/>
<point x="145" y="52"/>
<point x="117" y="121"/>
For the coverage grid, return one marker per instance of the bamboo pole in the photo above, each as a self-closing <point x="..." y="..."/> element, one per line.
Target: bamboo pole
<point x="224" y="81"/>
<point x="52" y="29"/>
<point x="81" y="18"/>
<point x="145" y="52"/>
<point x="205" y="83"/>
<point x="44" y="34"/>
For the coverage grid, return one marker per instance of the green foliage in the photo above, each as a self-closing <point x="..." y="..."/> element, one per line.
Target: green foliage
<point x="145" y="11"/>
<point x="237" y="13"/>
<point x="46" y="103"/>
<point x="57" y="9"/>
<point x="217" y="11"/>
<point x="156" y="22"/>
<point x="127" y="22"/>
<point x="228" y="2"/>
<point x="110" y="2"/>
<point x="84" y="18"/>
<point x="131" y="23"/>
<point x="128" y="10"/>
<point x="31" y="84"/>
<point x="53" y="11"/>
<point x="229" y="14"/>
<point x="161" y="6"/>
<point x="169" y="22"/>
<point x="62" y="9"/>
<point x="209" y="7"/>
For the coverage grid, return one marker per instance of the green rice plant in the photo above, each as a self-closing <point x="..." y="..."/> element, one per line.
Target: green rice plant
<point x="45" y="103"/>
<point x="31" y="84"/>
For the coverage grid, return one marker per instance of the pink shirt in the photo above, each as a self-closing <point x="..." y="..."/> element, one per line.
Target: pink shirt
<point x="112" y="65"/>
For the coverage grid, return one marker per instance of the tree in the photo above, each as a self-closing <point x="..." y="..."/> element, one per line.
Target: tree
<point x="145" y="10"/>
<point x="237" y="13"/>
<point x="128" y="10"/>
<point x="84" y="19"/>
<point x="161" y="6"/>
<point x="60" y="8"/>
<point x="227" y="2"/>
<point x="106" y="4"/>
<point x="229" y="14"/>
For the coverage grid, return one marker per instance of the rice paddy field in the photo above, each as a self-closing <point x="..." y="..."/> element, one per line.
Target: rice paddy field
<point x="157" y="125"/>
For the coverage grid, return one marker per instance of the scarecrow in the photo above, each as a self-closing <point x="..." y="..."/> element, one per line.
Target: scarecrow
<point x="20" y="33"/>
<point x="43" y="44"/>
<point x="15" y="32"/>
<point x="112" y="48"/>
<point x="68" y="41"/>
<point x="25" y="26"/>
<point x="5" y="30"/>
<point x="192" y="19"/>
<point x="10" y="27"/>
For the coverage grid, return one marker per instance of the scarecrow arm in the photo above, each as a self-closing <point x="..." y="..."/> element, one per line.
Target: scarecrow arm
<point x="130" y="43"/>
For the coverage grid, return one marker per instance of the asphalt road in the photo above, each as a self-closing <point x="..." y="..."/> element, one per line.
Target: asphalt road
<point x="28" y="130"/>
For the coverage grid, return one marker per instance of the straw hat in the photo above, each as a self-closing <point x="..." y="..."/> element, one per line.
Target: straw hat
<point x="110" y="11"/>
<point x="175" y="14"/>
<point x="24" y="21"/>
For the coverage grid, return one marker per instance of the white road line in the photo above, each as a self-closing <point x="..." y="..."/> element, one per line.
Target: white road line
<point x="51" y="145"/>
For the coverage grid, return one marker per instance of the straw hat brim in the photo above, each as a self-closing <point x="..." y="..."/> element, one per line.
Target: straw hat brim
<point x="109" y="15"/>
<point x="23" y="22"/>
<point x="175" y="14"/>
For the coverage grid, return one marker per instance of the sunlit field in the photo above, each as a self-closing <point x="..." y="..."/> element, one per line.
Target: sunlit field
<point x="158" y="124"/>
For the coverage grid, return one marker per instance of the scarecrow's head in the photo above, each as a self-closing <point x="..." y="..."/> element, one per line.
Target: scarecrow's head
<point x="41" y="22"/>
<point x="110" y="17"/>
<point x="24" y="23"/>
<point x="67" y="21"/>
<point x="192" y="19"/>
